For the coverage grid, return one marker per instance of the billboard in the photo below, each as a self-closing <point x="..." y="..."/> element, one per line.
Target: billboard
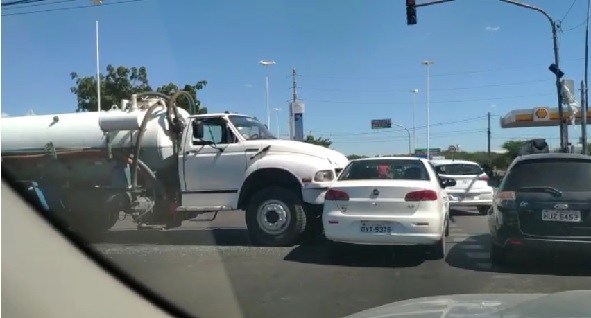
<point x="381" y="123"/>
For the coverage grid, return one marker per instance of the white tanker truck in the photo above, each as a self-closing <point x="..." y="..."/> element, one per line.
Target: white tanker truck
<point x="85" y="164"/>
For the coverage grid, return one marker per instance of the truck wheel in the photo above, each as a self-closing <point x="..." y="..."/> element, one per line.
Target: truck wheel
<point x="275" y="217"/>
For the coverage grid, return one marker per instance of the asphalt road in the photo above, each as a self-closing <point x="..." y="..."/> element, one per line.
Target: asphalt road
<point x="209" y="269"/>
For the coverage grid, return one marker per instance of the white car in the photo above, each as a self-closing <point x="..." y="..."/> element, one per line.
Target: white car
<point x="471" y="187"/>
<point x="388" y="201"/>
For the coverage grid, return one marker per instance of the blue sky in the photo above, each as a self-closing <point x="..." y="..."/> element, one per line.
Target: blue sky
<point x="357" y="60"/>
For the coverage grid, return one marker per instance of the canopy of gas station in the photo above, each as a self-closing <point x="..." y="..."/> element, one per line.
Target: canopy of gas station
<point x="538" y="117"/>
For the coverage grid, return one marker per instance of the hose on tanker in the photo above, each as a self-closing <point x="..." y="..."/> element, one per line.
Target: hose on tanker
<point x="175" y="126"/>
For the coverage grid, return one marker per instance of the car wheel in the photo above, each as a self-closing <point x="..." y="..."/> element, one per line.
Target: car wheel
<point x="437" y="250"/>
<point x="483" y="209"/>
<point x="275" y="216"/>
<point x="498" y="255"/>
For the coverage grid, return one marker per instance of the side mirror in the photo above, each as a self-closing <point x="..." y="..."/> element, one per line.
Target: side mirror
<point x="197" y="129"/>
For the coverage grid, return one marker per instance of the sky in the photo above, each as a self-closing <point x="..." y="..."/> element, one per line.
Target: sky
<point x="356" y="61"/>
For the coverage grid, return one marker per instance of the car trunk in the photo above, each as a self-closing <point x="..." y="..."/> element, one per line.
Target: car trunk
<point x="544" y="214"/>
<point x="382" y="196"/>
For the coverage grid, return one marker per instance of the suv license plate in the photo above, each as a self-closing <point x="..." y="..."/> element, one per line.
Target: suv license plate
<point x="561" y="216"/>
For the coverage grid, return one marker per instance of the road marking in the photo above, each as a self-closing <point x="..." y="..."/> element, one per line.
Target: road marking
<point x="472" y="247"/>
<point x="453" y="225"/>
<point x="460" y="235"/>
<point x="484" y="265"/>
<point x="477" y="255"/>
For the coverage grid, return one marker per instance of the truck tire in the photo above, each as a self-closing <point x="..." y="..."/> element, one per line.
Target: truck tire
<point x="275" y="216"/>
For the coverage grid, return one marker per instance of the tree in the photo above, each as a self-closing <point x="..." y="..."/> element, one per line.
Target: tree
<point x="324" y="142"/>
<point x="171" y="88"/>
<point x="120" y="83"/>
<point x="354" y="156"/>
<point x="513" y="147"/>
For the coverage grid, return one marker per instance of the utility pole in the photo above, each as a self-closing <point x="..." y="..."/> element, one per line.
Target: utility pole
<point x="585" y="87"/>
<point x="294" y="98"/>
<point x="488" y="133"/>
<point x="98" y="72"/>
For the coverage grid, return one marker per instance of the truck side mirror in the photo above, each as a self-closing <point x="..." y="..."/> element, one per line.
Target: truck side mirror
<point x="197" y="129"/>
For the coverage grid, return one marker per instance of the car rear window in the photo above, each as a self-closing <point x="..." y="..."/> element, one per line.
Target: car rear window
<point x="564" y="175"/>
<point x="459" y="169"/>
<point x="393" y="169"/>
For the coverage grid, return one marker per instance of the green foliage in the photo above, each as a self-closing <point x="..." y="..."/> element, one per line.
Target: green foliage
<point x="324" y="142"/>
<point x="354" y="156"/>
<point x="120" y="83"/>
<point x="513" y="147"/>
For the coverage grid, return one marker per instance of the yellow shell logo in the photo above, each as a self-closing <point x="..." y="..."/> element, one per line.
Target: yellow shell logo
<point x="541" y="113"/>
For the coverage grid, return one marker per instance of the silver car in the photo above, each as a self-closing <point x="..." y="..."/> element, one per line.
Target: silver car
<point x="471" y="187"/>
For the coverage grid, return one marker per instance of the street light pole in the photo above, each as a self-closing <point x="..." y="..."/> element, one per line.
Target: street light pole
<point x="414" y="104"/>
<point x="585" y="105"/>
<point x="428" y="63"/>
<point x="98" y="72"/>
<point x="277" y="119"/>
<point x="266" y="65"/>
<point x="557" y="72"/>
<point x="408" y="132"/>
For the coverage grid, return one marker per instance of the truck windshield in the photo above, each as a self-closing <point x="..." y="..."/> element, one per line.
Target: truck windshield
<point x="250" y="128"/>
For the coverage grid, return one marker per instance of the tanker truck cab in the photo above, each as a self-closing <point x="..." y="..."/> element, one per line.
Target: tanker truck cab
<point x="232" y="161"/>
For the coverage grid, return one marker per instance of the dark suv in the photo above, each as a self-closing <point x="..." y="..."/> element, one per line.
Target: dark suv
<point x="543" y="202"/>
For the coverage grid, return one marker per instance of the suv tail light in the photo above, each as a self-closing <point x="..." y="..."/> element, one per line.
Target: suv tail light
<point x="505" y="199"/>
<point x="421" y="195"/>
<point x="336" y="195"/>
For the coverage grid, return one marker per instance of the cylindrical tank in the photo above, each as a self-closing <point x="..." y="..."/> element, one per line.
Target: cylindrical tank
<point x="90" y="130"/>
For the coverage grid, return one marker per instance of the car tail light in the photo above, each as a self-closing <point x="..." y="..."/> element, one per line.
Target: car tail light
<point x="421" y="195"/>
<point x="336" y="195"/>
<point x="484" y="178"/>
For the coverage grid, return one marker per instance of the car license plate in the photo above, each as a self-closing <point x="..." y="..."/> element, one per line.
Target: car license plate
<point x="561" y="216"/>
<point x="376" y="227"/>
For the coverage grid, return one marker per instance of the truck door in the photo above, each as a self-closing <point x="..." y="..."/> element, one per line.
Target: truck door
<point x="213" y="164"/>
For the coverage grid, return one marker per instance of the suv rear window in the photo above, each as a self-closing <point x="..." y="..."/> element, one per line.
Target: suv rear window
<point x="562" y="174"/>
<point x="459" y="169"/>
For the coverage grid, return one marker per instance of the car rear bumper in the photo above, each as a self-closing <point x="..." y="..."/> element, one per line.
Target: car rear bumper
<point x="547" y="244"/>
<point x="406" y="229"/>
<point x="475" y="198"/>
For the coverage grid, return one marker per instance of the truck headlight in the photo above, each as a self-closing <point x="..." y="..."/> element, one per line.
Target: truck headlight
<point x="324" y="175"/>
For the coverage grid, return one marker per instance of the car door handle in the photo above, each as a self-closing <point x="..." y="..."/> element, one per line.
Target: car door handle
<point x="191" y="152"/>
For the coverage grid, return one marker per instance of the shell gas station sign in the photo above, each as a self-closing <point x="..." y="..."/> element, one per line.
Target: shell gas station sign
<point x="538" y="117"/>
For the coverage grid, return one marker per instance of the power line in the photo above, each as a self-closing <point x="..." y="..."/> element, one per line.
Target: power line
<point x="403" y="137"/>
<point x="433" y="89"/>
<point x="38" y="4"/>
<point x="470" y="119"/>
<point x="433" y="102"/>
<point x="568" y="11"/>
<point x="577" y="26"/>
<point x="69" y="8"/>
<point x="7" y="4"/>
<point x="439" y="75"/>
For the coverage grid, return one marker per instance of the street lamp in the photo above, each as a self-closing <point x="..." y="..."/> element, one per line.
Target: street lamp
<point x="414" y="102"/>
<point x="408" y="132"/>
<point x="277" y="110"/>
<point x="428" y="63"/>
<point x="266" y="64"/>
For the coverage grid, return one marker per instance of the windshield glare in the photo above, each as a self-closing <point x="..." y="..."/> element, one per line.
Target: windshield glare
<point x="250" y="128"/>
<point x="571" y="175"/>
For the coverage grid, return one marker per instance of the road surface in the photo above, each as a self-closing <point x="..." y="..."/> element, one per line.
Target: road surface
<point x="208" y="269"/>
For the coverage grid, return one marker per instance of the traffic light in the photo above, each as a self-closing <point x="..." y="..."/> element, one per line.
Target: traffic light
<point x="411" y="12"/>
<point x="555" y="70"/>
